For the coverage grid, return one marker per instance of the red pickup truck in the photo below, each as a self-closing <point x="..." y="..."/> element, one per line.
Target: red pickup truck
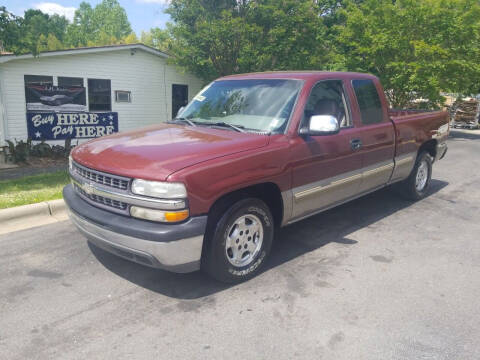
<point x="249" y="154"/>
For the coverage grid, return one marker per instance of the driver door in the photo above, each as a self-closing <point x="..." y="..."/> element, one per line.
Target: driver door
<point x="329" y="167"/>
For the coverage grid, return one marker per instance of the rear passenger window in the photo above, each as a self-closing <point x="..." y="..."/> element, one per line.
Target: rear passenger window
<point x="369" y="101"/>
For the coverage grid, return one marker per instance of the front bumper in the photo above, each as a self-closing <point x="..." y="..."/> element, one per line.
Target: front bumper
<point x="173" y="247"/>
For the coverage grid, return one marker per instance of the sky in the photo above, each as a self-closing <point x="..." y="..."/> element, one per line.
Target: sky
<point x="143" y="14"/>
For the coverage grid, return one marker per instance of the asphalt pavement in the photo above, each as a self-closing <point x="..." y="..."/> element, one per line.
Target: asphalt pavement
<point x="378" y="278"/>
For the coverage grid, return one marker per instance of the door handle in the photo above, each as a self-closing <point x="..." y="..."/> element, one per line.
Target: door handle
<point x="356" y="144"/>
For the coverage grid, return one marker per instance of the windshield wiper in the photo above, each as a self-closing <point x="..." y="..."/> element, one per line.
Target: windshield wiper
<point x="189" y="122"/>
<point x="238" y="128"/>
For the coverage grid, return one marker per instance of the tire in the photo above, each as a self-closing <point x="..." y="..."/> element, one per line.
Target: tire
<point x="238" y="241"/>
<point x="416" y="186"/>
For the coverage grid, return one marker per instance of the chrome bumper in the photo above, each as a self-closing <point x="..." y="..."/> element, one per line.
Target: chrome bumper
<point x="180" y="256"/>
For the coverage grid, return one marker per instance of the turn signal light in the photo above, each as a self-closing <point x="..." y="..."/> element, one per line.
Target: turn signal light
<point x="176" y="216"/>
<point x="159" y="215"/>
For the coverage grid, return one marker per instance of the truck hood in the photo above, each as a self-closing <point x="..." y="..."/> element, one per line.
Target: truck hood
<point x="155" y="152"/>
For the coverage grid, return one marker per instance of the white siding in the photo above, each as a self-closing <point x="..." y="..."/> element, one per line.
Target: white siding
<point x="146" y="75"/>
<point x="2" y="110"/>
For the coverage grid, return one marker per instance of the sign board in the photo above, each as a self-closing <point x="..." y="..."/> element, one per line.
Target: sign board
<point x="74" y="125"/>
<point x="55" y="98"/>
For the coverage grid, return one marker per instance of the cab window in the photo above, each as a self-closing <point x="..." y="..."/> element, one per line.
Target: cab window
<point x="328" y="98"/>
<point x="368" y="101"/>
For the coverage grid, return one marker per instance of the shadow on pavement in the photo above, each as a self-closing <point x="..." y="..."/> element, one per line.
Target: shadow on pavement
<point x="464" y="134"/>
<point x="292" y="241"/>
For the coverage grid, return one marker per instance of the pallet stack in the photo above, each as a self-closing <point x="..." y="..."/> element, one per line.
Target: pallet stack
<point x="466" y="114"/>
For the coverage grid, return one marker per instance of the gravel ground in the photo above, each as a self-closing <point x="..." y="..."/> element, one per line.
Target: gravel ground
<point x="378" y="278"/>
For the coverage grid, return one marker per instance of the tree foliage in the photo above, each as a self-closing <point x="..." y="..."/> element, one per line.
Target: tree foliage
<point x="157" y="38"/>
<point x="105" y="24"/>
<point x="417" y="48"/>
<point x="9" y="31"/>
<point x="30" y="33"/>
<point x="214" y="38"/>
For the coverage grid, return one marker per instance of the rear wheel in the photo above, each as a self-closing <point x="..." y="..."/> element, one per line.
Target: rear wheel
<point x="239" y="241"/>
<point x="415" y="187"/>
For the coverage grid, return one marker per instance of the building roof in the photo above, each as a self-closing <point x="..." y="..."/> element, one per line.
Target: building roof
<point x="85" y="50"/>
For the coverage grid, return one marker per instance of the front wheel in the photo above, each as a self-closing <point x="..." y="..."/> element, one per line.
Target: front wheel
<point x="415" y="187"/>
<point x="239" y="242"/>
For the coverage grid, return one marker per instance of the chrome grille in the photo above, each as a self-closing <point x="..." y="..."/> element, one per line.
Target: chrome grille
<point x="101" y="178"/>
<point x="102" y="200"/>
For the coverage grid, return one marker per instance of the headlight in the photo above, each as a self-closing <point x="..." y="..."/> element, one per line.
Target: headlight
<point x="159" y="215"/>
<point x="70" y="163"/>
<point x="164" y="190"/>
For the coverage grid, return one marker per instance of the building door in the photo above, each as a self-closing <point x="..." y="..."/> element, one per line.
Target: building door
<point x="179" y="97"/>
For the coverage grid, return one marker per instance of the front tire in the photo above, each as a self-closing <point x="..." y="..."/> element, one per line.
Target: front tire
<point x="416" y="186"/>
<point x="239" y="241"/>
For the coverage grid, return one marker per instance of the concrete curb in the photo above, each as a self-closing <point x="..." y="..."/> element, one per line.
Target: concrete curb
<point x="58" y="209"/>
<point x="28" y="216"/>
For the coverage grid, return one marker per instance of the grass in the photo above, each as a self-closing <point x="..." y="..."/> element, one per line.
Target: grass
<point x="32" y="189"/>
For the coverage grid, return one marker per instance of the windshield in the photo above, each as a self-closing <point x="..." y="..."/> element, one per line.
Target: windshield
<point x="262" y="105"/>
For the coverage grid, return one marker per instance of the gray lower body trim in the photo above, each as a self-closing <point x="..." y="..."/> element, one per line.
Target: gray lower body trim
<point x="310" y="199"/>
<point x="376" y="176"/>
<point x="179" y="256"/>
<point x="403" y="166"/>
<point x="287" y="198"/>
<point x="322" y="194"/>
<point x="318" y="211"/>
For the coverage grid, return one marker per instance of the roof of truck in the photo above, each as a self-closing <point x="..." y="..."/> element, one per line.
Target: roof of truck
<point x="301" y="75"/>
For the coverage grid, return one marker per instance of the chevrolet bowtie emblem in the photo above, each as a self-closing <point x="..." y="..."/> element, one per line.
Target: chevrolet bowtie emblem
<point x="89" y="189"/>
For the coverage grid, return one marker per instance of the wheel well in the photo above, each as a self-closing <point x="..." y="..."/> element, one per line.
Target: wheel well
<point x="429" y="146"/>
<point x="268" y="192"/>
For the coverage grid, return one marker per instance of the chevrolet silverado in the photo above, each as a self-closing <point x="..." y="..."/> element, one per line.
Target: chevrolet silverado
<point x="248" y="155"/>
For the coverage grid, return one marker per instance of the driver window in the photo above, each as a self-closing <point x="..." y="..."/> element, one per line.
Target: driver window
<point x="328" y="98"/>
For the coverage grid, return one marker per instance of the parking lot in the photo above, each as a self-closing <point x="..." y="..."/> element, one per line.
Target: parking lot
<point x="378" y="278"/>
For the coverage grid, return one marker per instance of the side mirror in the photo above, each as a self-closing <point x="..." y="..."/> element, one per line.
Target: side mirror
<point x="321" y="125"/>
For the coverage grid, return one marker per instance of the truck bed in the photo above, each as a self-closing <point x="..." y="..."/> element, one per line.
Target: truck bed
<point x="395" y="113"/>
<point x="415" y="127"/>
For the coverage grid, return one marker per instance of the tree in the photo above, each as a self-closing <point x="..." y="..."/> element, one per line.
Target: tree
<point x="290" y="34"/>
<point x="206" y="35"/>
<point x="220" y="37"/>
<point x="32" y="33"/>
<point x="157" y="38"/>
<point x="9" y="31"/>
<point x="417" y="47"/>
<point x="111" y="18"/>
<point x="82" y="29"/>
<point x="36" y="24"/>
<point x="130" y="39"/>
<point x="48" y="43"/>
<point x="105" y="24"/>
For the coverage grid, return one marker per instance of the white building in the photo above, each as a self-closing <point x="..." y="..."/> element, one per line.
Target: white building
<point x="90" y="87"/>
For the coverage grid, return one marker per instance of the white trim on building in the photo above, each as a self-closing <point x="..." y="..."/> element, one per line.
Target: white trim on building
<point x="85" y="50"/>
